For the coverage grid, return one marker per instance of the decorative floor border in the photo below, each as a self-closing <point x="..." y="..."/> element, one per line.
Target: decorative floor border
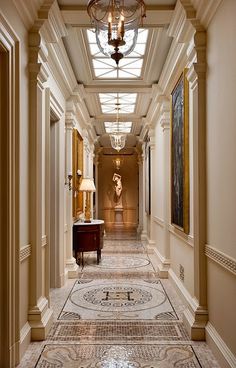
<point x="149" y="352"/>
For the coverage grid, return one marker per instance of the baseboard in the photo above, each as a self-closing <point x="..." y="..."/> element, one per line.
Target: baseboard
<point x="223" y="354"/>
<point x="181" y="290"/>
<point x="25" y="337"/>
<point x="162" y="264"/>
<point x="40" y="320"/>
<point x="195" y="317"/>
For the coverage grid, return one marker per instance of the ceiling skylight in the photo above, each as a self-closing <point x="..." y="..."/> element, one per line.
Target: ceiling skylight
<point x="110" y="101"/>
<point x="124" y="126"/>
<point x="129" y="67"/>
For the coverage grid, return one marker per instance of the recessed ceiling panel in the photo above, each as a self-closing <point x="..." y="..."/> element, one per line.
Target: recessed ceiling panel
<point x="125" y="102"/>
<point x="129" y="67"/>
<point x="123" y="126"/>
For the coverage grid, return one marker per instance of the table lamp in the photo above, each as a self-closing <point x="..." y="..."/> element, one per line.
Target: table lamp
<point x="87" y="185"/>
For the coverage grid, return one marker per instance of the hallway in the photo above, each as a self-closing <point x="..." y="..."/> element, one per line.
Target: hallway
<point x="118" y="314"/>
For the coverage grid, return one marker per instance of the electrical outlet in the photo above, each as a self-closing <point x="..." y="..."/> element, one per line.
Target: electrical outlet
<point x="181" y="272"/>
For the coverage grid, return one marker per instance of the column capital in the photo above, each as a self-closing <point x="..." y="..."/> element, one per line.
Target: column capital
<point x="70" y="120"/>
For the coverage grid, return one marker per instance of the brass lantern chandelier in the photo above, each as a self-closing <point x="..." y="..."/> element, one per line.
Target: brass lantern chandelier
<point x="117" y="138"/>
<point x="116" y="23"/>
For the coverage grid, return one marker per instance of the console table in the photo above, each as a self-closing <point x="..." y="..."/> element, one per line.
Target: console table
<point x="87" y="237"/>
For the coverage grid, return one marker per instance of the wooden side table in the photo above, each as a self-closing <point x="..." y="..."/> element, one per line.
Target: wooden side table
<point x="87" y="237"/>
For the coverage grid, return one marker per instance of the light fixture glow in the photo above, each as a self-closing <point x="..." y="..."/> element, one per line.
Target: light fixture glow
<point x="116" y="21"/>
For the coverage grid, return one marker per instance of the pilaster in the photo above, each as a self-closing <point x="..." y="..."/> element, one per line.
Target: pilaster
<point x="197" y="314"/>
<point x="144" y="214"/>
<point x="165" y="124"/>
<point x="39" y="315"/>
<point x="151" y="146"/>
<point x="140" y="175"/>
<point x="71" y="265"/>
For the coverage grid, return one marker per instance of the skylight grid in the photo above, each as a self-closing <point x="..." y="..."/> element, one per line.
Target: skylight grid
<point x="124" y="127"/>
<point x="129" y="68"/>
<point x="109" y="102"/>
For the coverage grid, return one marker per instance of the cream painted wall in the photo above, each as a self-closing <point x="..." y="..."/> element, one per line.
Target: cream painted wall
<point x="222" y="303"/>
<point x="158" y="177"/>
<point x="10" y="14"/>
<point x="182" y="254"/>
<point x="157" y="192"/>
<point x="221" y="169"/>
<point x="221" y="130"/>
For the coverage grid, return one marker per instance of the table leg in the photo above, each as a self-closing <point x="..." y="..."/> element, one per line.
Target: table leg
<point x="98" y="256"/>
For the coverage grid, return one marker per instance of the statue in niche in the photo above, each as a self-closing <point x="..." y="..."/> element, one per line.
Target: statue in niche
<point x="118" y="190"/>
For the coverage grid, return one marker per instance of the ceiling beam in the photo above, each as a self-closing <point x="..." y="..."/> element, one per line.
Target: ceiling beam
<point x="118" y="88"/>
<point x="78" y="17"/>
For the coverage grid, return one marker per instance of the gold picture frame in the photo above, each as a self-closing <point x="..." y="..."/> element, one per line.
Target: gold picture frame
<point x="77" y="164"/>
<point x="180" y="154"/>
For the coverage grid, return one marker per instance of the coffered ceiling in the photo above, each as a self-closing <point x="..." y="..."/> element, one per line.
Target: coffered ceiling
<point x="104" y="85"/>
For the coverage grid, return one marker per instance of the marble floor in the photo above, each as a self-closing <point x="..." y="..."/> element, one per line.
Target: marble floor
<point x="118" y="314"/>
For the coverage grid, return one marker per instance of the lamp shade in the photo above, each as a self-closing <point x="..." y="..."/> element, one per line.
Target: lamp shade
<point x="87" y="185"/>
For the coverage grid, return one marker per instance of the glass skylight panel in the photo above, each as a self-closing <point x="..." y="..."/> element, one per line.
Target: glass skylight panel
<point x="130" y="67"/>
<point x="124" y="127"/>
<point x="126" y="102"/>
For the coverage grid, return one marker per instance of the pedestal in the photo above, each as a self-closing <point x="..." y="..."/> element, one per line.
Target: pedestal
<point x="118" y="217"/>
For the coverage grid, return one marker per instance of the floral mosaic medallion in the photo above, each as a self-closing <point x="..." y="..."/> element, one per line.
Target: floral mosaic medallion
<point x="130" y="299"/>
<point x="120" y="262"/>
<point x="118" y="356"/>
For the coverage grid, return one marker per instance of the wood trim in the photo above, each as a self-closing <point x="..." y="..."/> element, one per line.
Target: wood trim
<point x="221" y="258"/>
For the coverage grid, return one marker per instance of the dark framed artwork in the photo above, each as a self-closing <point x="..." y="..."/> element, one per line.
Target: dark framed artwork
<point x="180" y="155"/>
<point x="148" y="180"/>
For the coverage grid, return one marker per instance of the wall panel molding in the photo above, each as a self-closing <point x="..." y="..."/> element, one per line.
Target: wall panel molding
<point x="187" y="239"/>
<point x="158" y="221"/>
<point x="25" y="252"/>
<point x="221" y="258"/>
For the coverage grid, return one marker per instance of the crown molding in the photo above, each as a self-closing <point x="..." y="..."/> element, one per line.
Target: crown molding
<point x="53" y="28"/>
<point x="206" y="10"/>
<point x="27" y="11"/>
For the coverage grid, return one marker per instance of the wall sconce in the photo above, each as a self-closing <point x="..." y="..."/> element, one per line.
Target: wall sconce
<point x="87" y="186"/>
<point x="70" y="176"/>
<point x="118" y="162"/>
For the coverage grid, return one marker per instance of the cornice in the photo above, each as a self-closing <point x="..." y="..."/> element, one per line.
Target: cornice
<point x="61" y="69"/>
<point x="27" y="11"/>
<point x="53" y="27"/>
<point x="206" y="10"/>
<point x="56" y="106"/>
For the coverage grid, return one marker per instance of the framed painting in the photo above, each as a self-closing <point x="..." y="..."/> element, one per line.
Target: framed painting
<point x="77" y="163"/>
<point x="180" y="155"/>
<point x="148" y="180"/>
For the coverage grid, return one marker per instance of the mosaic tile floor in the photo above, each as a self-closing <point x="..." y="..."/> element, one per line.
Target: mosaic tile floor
<point x="118" y="314"/>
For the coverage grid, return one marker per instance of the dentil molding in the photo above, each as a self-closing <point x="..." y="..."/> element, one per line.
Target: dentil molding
<point x="25" y="252"/>
<point x="221" y="258"/>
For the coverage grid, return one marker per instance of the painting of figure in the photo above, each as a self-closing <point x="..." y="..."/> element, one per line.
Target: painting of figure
<point x="180" y="156"/>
